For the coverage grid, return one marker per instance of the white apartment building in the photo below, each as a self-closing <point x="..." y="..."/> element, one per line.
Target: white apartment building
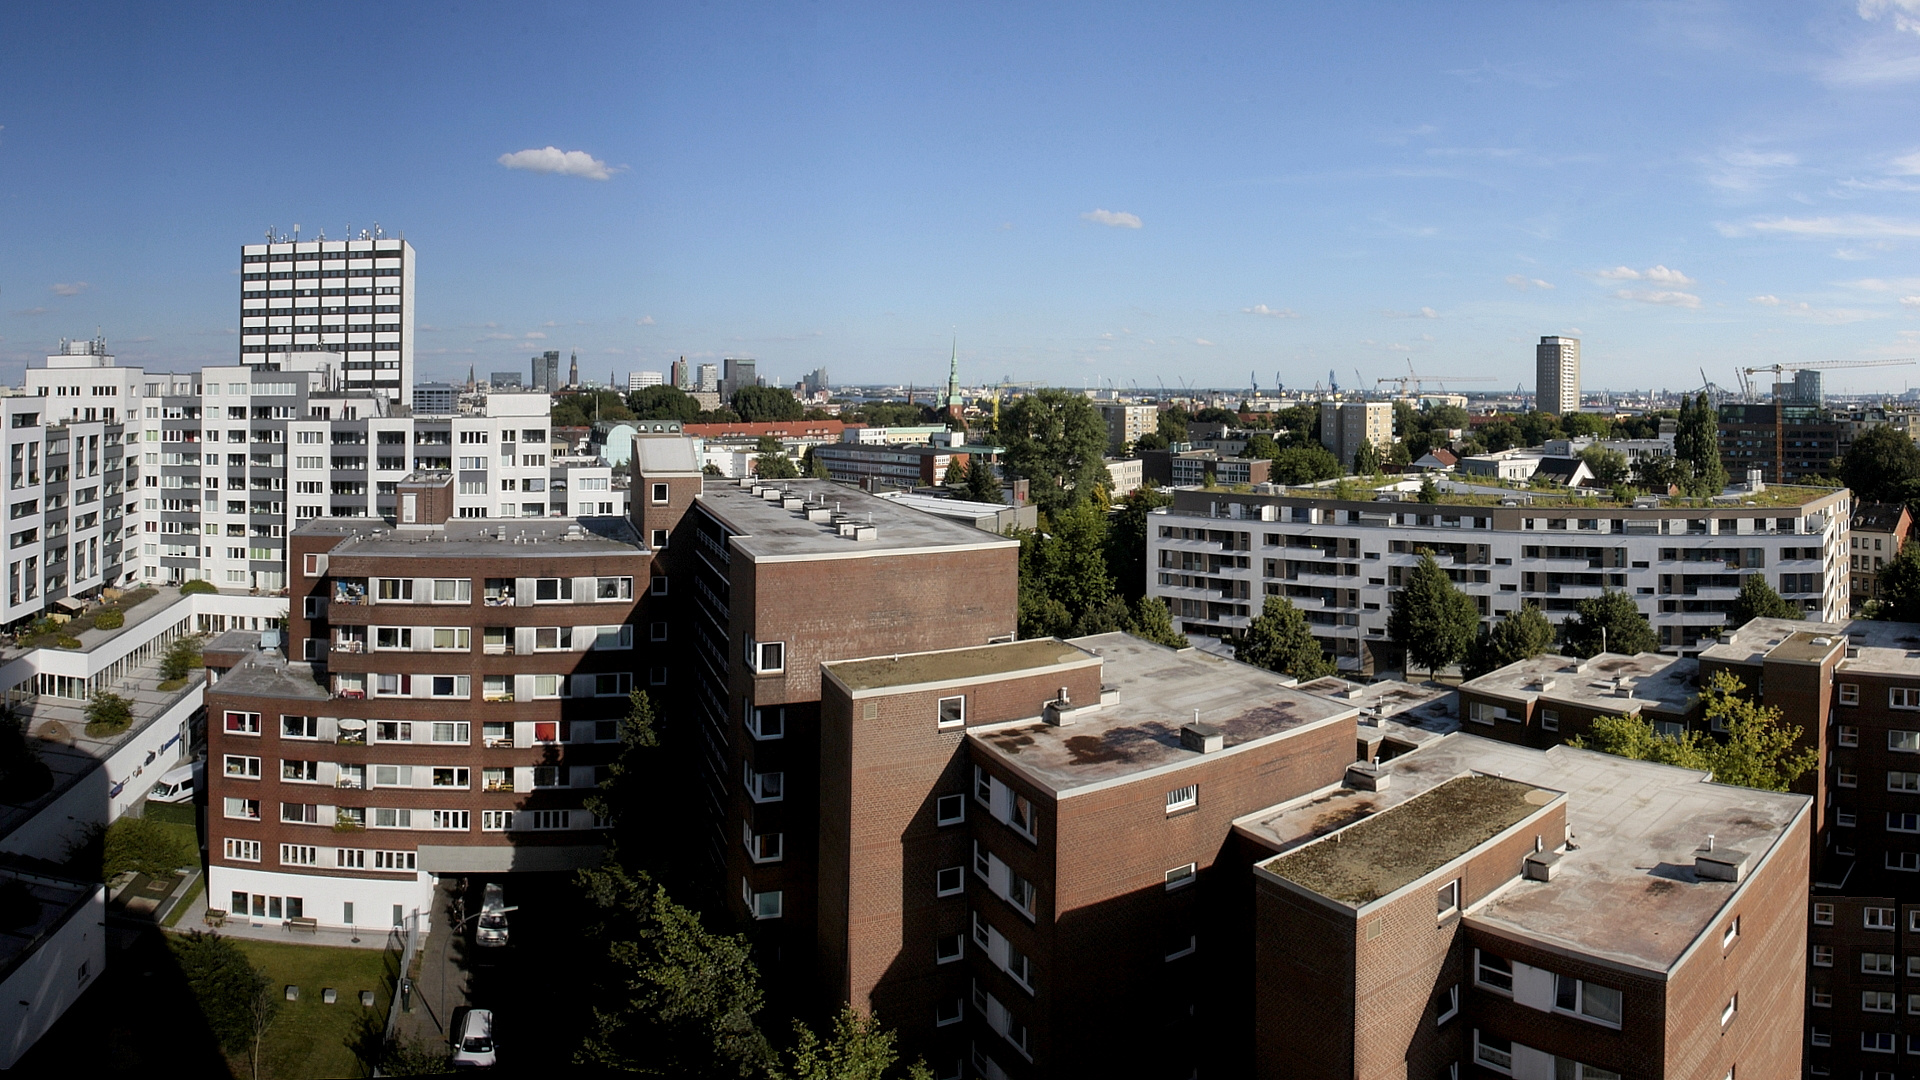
<point x="349" y="298"/>
<point x="640" y="380"/>
<point x="1557" y="375"/>
<point x="1214" y="556"/>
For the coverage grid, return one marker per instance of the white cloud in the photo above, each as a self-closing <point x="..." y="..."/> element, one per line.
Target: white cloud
<point x="1523" y="282"/>
<point x="561" y="162"/>
<point x="644" y="320"/>
<point x="1906" y="13"/>
<point x="1808" y="311"/>
<point x="1659" y="275"/>
<point x="1907" y="164"/>
<point x="1272" y="313"/>
<point x="1117" y="219"/>
<point x="1202" y="341"/>
<point x="1745" y="170"/>
<point x="535" y="336"/>
<point x="1423" y="313"/>
<point x="1666" y="297"/>
<point x="1846" y="225"/>
<point x="1770" y="300"/>
<point x="69" y="288"/>
<point x="1910" y="301"/>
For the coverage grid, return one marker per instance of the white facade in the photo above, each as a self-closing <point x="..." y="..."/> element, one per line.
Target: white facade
<point x="1557" y="375"/>
<point x="1214" y="556"/>
<point x="350" y="298"/>
<point x="265" y="896"/>
<point x="63" y="955"/>
<point x="640" y="380"/>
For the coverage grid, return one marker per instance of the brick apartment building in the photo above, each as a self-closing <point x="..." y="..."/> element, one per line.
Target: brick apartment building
<point x="769" y="581"/>
<point x="463" y="687"/>
<point x="1018" y="845"/>
<point x="1475" y="908"/>
<point x="1879" y="532"/>
<point x="1549" y="699"/>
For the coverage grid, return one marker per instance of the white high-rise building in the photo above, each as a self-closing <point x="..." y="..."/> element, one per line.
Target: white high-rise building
<point x="640" y="380"/>
<point x="350" y="298"/>
<point x="1557" y="375"/>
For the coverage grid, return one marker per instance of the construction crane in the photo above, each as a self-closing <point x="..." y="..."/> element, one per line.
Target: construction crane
<point x="1411" y="378"/>
<point x="1779" y="410"/>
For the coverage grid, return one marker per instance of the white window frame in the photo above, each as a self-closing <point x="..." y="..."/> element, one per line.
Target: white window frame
<point x="762" y="905"/>
<point x="1182" y="876"/>
<point x="240" y="767"/>
<point x="950" y="810"/>
<point x="1450" y="1005"/>
<point x="1849" y="693"/>
<point x="958" y="702"/>
<point x="236" y="849"/>
<point x="1481" y="970"/>
<point x="1879" y="918"/>
<point x="1869" y="963"/>
<point x="1446" y="901"/>
<point x="1822" y="914"/>
<point x="1184" y="798"/>
<point x="767" y="787"/>
<point x="950" y="881"/>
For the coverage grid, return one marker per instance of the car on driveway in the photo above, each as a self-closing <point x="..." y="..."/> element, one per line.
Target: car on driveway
<point x="473" y="1045"/>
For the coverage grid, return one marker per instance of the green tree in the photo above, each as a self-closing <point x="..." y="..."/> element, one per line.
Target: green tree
<point x="1063" y="572"/>
<point x="1696" y="443"/>
<point x="956" y="476"/>
<point x="1153" y="622"/>
<point x="1609" y="466"/>
<point x="403" y="1056"/>
<point x="1366" y="460"/>
<point x="1536" y="427"/>
<point x="1261" y="446"/>
<point x="1757" y="600"/>
<point x="1398" y="457"/>
<point x="1429" y="491"/>
<point x="108" y="714"/>
<point x="1899" y="585"/>
<point x="1610" y="621"/>
<point x="1659" y="473"/>
<point x="1127" y="539"/>
<point x="1883" y="465"/>
<point x="634" y="777"/>
<point x="235" y="997"/>
<point x="1214" y="414"/>
<point x="1501" y="434"/>
<point x="982" y="485"/>
<point x="1588" y="424"/>
<point x="182" y="657"/>
<point x="1152" y="440"/>
<point x="1172" y="424"/>
<point x="143" y="846"/>
<point x="587" y="406"/>
<point x="775" y="467"/>
<point x="1434" y="622"/>
<point x="1523" y="635"/>
<point x="672" y="998"/>
<point x="812" y="467"/>
<point x="663" y="403"/>
<point x="1756" y="750"/>
<point x="1279" y="639"/>
<point x="859" y="1049"/>
<point x="1305" y="465"/>
<point x="1447" y="418"/>
<point x="761" y="404"/>
<point x="1057" y="442"/>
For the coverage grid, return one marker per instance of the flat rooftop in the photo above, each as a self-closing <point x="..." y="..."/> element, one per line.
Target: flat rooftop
<point x="1626" y="891"/>
<point x="1385" y="852"/>
<point x="1386" y="698"/>
<point x="54" y="899"/>
<point x="473" y="538"/>
<point x="1011" y="658"/>
<point x="1650" y="681"/>
<point x="1887" y="647"/>
<point x="1149" y="692"/>
<point x="266" y="673"/>
<point x="766" y="530"/>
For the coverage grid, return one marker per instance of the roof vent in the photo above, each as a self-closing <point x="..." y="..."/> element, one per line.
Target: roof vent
<point x="1724" y="864"/>
<point x="1368" y="776"/>
<point x="1541" y="865"/>
<point x="1823" y="641"/>
<point x="1202" y="738"/>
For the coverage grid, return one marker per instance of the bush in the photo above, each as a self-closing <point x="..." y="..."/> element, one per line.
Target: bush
<point x="108" y="714"/>
<point x="147" y="847"/>
<point x="197" y="586"/>
<point x="110" y="620"/>
<point x="182" y="658"/>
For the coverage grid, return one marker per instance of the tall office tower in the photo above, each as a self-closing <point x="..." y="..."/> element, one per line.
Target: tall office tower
<point x="815" y="381"/>
<point x="352" y="299"/>
<point x="640" y="380"/>
<point x="709" y="380"/>
<point x="1807" y="389"/>
<point x="1557" y="375"/>
<point x="573" y="370"/>
<point x="739" y="373"/>
<point x="546" y="371"/>
<point x="681" y="379"/>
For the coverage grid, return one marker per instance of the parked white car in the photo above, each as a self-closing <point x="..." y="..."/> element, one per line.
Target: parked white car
<point x="473" y="1045"/>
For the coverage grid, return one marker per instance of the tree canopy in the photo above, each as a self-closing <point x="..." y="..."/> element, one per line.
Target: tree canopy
<point x="775" y="466"/>
<point x="1757" y="600"/>
<point x="1610" y="621"/>
<point x="1057" y="442"/>
<point x="586" y="406"/>
<point x="1127" y="540"/>
<point x="663" y="403"/>
<point x="1305" y="465"/>
<point x="760" y="404"/>
<point x="1522" y="635"/>
<point x="1899" y="585"/>
<point x="1696" y="447"/>
<point x="235" y="997"/>
<point x="1433" y="621"/>
<point x="1883" y="465"/>
<point x="1756" y="749"/>
<point x="981" y="484"/>
<point x="1279" y="639"/>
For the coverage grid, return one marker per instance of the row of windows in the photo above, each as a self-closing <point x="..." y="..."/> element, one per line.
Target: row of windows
<point x="1871" y="918"/>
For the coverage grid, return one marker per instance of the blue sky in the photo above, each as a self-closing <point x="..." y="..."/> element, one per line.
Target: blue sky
<point x="1081" y="193"/>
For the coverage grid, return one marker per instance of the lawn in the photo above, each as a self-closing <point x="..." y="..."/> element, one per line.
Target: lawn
<point x="178" y="816"/>
<point x="310" y="1038"/>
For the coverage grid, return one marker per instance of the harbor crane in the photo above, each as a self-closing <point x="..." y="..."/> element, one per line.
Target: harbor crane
<point x="1417" y="381"/>
<point x="1779" y="411"/>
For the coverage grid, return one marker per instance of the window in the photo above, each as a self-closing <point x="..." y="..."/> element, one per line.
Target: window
<point x="948" y="1013"/>
<point x="546" y="686"/>
<point x="1185" y="798"/>
<point x="1181" y="876"/>
<point x="767" y="657"/>
<point x="1823" y="956"/>
<point x="248" y="809"/>
<point x="299" y="772"/>
<point x="390" y="818"/>
<point x="546" y="776"/>
<point x="456" y="731"/>
<point x="1449" y="1005"/>
<point x="452" y="686"/>
<point x="452" y="591"/>
<point x="1875" y="963"/>
<point x="1877" y="1042"/>
<point x="394" y="860"/>
<point x="1492" y="1051"/>
<point x="1550" y="719"/>
<point x="1880" y="1001"/>
<point x="550" y="590"/>
<point x="548" y="638"/>
<point x="1601" y="1004"/>
<point x="1877" y="918"/>
<point x="1448" y="900"/>
<point x="299" y="855"/>
<point x="1903" y="697"/>
<point x="768" y="723"/>
<point x="451" y="819"/>
<point x="300" y="813"/>
<point x="948" y="949"/>
<point x="1903" y="860"/>
<point x="1731" y="933"/>
<point x="621" y="637"/>
<point x="243" y="723"/>
<point x="1819" y="1036"/>
<point x="1727" y="1014"/>
<point x="950" y="809"/>
<point x="659" y="493"/>
<point x="613" y="588"/>
<point x="953" y="711"/>
<point x="299" y="727"/>
<point x="1849" y="736"/>
<point x="949" y="880"/>
<point x="760" y="905"/>
<point x="451" y="777"/>
<point x="243" y="850"/>
<point x="244" y="767"/>
<point x="452" y="639"/>
<point x="546" y="731"/>
<point x="762" y="847"/>
<point x="396" y="589"/>
<point x="659" y="585"/>
<point x="659" y="539"/>
<point x="392" y="731"/>
<point x="1903" y="781"/>
<point x="496" y="820"/>
<point x="1822" y="914"/>
<point x="1849" y="693"/>
<point x="1822" y="998"/>
<point x="1905" y="742"/>
<point x="764" y="787"/>
<point x="1845" y="777"/>
<point x="1492" y="971"/>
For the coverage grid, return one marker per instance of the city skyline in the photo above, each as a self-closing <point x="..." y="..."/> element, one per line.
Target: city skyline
<point x="1152" y="197"/>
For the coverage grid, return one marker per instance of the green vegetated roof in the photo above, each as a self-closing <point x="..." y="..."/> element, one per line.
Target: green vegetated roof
<point x="1374" y="857"/>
